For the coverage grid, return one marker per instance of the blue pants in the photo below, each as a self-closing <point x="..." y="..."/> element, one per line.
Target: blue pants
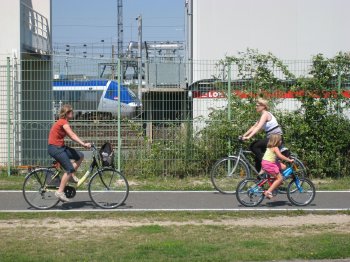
<point x="64" y="155"/>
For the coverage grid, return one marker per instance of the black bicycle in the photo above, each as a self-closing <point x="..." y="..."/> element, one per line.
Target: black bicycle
<point x="108" y="188"/>
<point x="228" y="171"/>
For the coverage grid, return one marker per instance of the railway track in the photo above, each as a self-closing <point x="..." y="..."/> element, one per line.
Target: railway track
<point x="133" y="134"/>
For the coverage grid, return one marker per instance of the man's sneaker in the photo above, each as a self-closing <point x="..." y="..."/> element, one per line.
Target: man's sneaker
<point x="61" y="196"/>
<point x="74" y="179"/>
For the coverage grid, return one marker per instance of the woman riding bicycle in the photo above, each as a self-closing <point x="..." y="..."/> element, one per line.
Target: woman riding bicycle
<point x="64" y="154"/>
<point x="270" y="125"/>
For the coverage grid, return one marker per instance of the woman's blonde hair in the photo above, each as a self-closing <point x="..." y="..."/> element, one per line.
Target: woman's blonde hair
<point x="274" y="140"/>
<point x="263" y="102"/>
<point x="65" y="109"/>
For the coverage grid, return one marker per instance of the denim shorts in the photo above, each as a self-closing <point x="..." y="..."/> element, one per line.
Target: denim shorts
<point x="64" y="155"/>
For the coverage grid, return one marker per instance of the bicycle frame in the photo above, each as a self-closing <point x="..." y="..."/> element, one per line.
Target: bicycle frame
<point x="94" y="164"/>
<point x="240" y="153"/>
<point x="269" y="179"/>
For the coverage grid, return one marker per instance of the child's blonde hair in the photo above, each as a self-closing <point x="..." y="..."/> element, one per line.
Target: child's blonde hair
<point x="274" y="140"/>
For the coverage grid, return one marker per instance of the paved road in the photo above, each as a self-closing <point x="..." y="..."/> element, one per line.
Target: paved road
<point x="182" y="200"/>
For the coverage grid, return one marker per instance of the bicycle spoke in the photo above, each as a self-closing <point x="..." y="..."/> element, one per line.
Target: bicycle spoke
<point x="301" y="192"/>
<point x="226" y="174"/>
<point x="248" y="193"/>
<point x="108" y="188"/>
<point x="35" y="190"/>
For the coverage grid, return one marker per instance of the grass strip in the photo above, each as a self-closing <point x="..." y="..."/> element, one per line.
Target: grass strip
<point x="111" y="242"/>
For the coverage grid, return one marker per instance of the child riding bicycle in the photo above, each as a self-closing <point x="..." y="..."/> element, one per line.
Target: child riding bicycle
<point x="271" y="163"/>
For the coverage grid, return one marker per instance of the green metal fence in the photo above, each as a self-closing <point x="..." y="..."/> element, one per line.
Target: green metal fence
<point x="175" y="128"/>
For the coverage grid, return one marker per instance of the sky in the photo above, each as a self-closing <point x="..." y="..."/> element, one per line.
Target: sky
<point x="90" y="21"/>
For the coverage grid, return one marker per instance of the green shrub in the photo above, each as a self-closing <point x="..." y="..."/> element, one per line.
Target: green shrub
<point x="318" y="133"/>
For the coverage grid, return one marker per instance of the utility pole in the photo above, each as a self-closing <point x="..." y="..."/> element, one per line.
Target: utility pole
<point x="120" y="29"/>
<point x="139" y="59"/>
<point x="113" y="69"/>
<point x="66" y="61"/>
<point x="189" y="42"/>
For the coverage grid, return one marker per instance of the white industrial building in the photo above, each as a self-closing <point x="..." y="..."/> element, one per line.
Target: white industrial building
<point x="292" y="30"/>
<point x="26" y="41"/>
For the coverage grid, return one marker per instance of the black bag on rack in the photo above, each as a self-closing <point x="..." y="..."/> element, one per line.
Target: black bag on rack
<point x="107" y="154"/>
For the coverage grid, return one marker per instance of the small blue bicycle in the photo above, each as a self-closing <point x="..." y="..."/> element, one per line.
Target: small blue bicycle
<point x="300" y="191"/>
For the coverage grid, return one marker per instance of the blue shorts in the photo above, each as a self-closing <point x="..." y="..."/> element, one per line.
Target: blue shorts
<point x="64" y="155"/>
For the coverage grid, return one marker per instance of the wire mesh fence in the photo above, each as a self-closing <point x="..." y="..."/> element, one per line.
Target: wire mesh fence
<point x="169" y="126"/>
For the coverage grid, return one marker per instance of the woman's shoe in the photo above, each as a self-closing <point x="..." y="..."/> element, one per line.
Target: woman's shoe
<point x="61" y="196"/>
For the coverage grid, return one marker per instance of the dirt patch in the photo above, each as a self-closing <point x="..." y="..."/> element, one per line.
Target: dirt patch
<point x="133" y="183"/>
<point x="341" y="221"/>
<point x="199" y="183"/>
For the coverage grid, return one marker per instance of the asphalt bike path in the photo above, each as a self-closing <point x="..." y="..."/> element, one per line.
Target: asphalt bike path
<point x="183" y="201"/>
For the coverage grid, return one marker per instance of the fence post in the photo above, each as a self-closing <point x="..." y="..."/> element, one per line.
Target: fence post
<point x="229" y="93"/>
<point x="8" y="117"/>
<point x="119" y="118"/>
<point x="338" y="113"/>
<point x="338" y="92"/>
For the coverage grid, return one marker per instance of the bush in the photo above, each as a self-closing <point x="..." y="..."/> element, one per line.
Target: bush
<point x="318" y="133"/>
<point x="323" y="145"/>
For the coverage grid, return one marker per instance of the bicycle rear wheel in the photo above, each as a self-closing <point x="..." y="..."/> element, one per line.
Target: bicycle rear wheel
<point x="108" y="188"/>
<point x="301" y="191"/>
<point x="35" y="190"/>
<point x="227" y="172"/>
<point x="249" y="194"/>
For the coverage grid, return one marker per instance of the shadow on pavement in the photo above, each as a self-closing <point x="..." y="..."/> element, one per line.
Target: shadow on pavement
<point x="278" y="203"/>
<point x="77" y="205"/>
<point x="87" y="205"/>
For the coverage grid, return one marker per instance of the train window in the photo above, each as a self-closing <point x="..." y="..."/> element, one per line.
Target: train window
<point x="132" y="94"/>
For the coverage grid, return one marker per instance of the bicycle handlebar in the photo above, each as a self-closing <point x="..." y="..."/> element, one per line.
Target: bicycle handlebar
<point x="239" y="139"/>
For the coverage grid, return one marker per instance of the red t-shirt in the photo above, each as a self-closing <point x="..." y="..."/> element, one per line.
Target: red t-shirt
<point x="57" y="133"/>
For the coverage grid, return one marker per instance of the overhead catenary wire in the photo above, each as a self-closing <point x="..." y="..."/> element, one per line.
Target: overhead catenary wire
<point x="94" y="25"/>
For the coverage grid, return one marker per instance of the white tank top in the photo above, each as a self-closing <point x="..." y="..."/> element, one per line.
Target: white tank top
<point x="269" y="125"/>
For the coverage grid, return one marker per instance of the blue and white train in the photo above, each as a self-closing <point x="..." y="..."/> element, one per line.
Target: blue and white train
<point x="95" y="98"/>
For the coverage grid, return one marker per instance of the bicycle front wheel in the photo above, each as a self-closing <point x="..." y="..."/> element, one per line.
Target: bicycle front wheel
<point x="108" y="188"/>
<point x="301" y="191"/>
<point x="249" y="194"/>
<point x="36" y="192"/>
<point x="226" y="174"/>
